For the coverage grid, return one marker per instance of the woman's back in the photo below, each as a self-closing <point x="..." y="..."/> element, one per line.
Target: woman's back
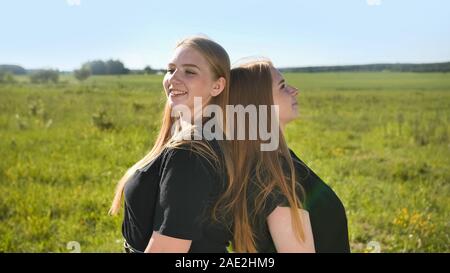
<point x="326" y="212"/>
<point x="173" y="195"/>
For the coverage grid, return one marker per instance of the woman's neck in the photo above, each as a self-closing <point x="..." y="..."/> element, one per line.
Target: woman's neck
<point x="282" y="126"/>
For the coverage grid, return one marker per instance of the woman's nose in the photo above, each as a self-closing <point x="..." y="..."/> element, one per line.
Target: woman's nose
<point x="293" y="91"/>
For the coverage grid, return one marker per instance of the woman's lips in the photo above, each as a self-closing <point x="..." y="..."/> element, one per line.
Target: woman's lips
<point x="176" y="93"/>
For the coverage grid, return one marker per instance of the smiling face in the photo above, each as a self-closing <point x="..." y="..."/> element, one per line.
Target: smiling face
<point x="188" y="76"/>
<point x="284" y="96"/>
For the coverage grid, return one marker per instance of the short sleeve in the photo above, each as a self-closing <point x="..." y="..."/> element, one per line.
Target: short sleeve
<point x="185" y="186"/>
<point x="275" y="199"/>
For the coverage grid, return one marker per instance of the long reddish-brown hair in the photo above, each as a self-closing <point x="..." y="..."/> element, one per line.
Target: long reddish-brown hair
<point x="253" y="172"/>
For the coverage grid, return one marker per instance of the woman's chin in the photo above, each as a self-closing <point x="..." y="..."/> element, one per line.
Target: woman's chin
<point x="180" y="108"/>
<point x="178" y="102"/>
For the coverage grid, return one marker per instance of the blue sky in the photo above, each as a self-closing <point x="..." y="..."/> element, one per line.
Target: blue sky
<point x="65" y="33"/>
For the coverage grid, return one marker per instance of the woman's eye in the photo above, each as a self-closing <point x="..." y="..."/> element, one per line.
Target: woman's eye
<point x="170" y="70"/>
<point x="190" y="72"/>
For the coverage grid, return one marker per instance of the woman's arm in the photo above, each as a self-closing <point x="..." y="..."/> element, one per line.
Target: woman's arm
<point x="165" y="244"/>
<point x="283" y="236"/>
<point x="184" y="190"/>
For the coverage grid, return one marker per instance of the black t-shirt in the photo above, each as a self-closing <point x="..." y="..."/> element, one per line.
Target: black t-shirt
<point x="173" y="195"/>
<point x="326" y="212"/>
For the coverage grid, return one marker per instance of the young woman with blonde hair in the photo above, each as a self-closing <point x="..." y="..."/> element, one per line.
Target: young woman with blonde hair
<point x="169" y="193"/>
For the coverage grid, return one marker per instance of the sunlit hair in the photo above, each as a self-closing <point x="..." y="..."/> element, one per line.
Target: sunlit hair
<point x="254" y="174"/>
<point x="219" y="63"/>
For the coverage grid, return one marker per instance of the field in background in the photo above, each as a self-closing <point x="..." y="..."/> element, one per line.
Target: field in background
<point x="381" y="140"/>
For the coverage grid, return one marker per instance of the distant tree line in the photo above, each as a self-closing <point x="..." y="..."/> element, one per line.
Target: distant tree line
<point x="14" y="69"/>
<point x="116" y="67"/>
<point x="431" y="67"/>
<point x="110" y="67"/>
<point x="96" y="67"/>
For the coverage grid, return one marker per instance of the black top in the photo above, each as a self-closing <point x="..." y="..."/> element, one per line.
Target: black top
<point x="326" y="212"/>
<point x="173" y="195"/>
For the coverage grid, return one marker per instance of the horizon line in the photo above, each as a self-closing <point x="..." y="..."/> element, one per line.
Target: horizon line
<point x="278" y="67"/>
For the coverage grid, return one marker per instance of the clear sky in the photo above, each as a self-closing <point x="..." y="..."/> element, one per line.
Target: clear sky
<point x="65" y="33"/>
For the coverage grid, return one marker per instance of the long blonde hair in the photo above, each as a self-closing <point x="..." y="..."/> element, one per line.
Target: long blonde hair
<point x="252" y="171"/>
<point x="219" y="63"/>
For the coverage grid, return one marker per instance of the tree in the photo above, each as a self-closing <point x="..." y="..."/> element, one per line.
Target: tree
<point x="114" y="67"/>
<point x="97" y="67"/>
<point x="82" y="74"/>
<point x="44" y="76"/>
<point x="148" y="70"/>
<point x="110" y="67"/>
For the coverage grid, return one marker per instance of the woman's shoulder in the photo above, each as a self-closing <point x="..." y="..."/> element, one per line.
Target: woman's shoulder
<point x="202" y="155"/>
<point x="316" y="188"/>
<point x="192" y="149"/>
<point x="305" y="173"/>
<point x="175" y="155"/>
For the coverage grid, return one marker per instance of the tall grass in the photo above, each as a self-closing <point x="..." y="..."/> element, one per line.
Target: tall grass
<point x="381" y="140"/>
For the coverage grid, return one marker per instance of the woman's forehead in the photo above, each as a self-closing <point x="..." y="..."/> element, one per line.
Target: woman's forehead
<point x="276" y="75"/>
<point x="187" y="55"/>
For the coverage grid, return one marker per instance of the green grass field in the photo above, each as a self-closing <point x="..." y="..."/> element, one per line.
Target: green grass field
<point x="381" y="140"/>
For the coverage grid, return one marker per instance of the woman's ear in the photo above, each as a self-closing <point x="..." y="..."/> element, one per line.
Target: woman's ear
<point x="218" y="86"/>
